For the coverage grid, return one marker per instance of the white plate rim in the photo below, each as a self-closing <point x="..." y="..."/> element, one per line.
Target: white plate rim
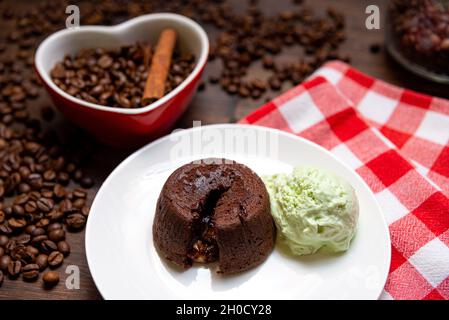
<point x="140" y="151"/>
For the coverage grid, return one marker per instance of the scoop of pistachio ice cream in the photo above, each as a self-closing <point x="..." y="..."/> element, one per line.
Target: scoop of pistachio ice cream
<point x="313" y="210"/>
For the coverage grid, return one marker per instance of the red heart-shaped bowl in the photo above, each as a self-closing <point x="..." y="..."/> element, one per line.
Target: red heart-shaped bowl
<point x="117" y="126"/>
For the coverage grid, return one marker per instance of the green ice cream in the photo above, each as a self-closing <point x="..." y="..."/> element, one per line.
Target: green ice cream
<point x="313" y="210"/>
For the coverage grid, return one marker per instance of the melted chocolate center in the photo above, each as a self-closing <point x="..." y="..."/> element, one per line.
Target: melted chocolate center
<point x="204" y="248"/>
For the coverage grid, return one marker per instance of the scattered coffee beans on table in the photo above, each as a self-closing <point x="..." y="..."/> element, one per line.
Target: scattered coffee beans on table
<point x="252" y="36"/>
<point x="115" y="78"/>
<point x="41" y="185"/>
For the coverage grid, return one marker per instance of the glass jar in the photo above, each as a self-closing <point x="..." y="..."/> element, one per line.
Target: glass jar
<point x="418" y="36"/>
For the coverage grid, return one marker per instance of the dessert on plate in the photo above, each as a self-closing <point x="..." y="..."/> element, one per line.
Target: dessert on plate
<point x="214" y="210"/>
<point x="314" y="210"/>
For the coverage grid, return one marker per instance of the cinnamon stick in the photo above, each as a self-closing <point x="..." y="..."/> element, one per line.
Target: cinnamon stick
<point x="146" y="55"/>
<point x="160" y="66"/>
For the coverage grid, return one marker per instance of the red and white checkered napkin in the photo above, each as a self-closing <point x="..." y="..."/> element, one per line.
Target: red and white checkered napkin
<point x="397" y="140"/>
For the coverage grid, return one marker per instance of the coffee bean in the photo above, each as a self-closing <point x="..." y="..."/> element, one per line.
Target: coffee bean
<point x="38" y="239"/>
<point x="375" y="48"/>
<point x="16" y="223"/>
<point x="3" y="240"/>
<point x="4" y="262"/>
<point x="54" y="226"/>
<point x="65" y="205"/>
<point x="2" y="252"/>
<point x="54" y="215"/>
<point x="47" y="193"/>
<point x="259" y="84"/>
<point x="105" y="61"/>
<point x="55" y="259"/>
<point x="75" y="221"/>
<point x="30" y="272"/>
<point x="232" y="88"/>
<point x="31" y="206"/>
<point x="64" y="248"/>
<point x="59" y="191"/>
<point x="63" y="178"/>
<point x="80" y="193"/>
<point x="49" y="175"/>
<point x="30" y="228"/>
<point x="42" y="223"/>
<point x="50" y="278"/>
<point x="79" y="203"/>
<point x="275" y="83"/>
<point x="256" y="93"/>
<point x="1" y="278"/>
<point x="70" y="168"/>
<point x="78" y="175"/>
<point x="24" y="172"/>
<point x="35" y="181"/>
<point x="57" y="235"/>
<point x="85" y="211"/>
<point x="5" y="229"/>
<point x="32" y="251"/>
<point x="20" y="200"/>
<point x="42" y="261"/>
<point x="10" y="246"/>
<point x="34" y="195"/>
<point x="268" y="62"/>
<point x="45" y="204"/>
<point x="23" y="239"/>
<point x="48" y="246"/>
<point x="14" y="268"/>
<point x="18" y="252"/>
<point x="8" y="211"/>
<point x="214" y="79"/>
<point x="37" y="232"/>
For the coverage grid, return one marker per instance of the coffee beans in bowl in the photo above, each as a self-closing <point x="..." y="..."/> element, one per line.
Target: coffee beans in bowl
<point x="123" y="121"/>
<point x="117" y="77"/>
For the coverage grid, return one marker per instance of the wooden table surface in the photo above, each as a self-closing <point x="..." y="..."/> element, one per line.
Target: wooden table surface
<point x="213" y="105"/>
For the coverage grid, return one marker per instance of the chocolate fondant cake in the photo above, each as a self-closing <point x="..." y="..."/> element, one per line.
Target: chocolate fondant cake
<point x="214" y="211"/>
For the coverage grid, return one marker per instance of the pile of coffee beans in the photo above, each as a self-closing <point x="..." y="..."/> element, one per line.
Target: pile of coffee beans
<point x="43" y="191"/>
<point x="41" y="206"/>
<point x="115" y="78"/>
<point x="420" y="29"/>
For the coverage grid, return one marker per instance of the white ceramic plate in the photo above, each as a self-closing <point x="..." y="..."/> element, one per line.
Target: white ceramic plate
<point x="125" y="264"/>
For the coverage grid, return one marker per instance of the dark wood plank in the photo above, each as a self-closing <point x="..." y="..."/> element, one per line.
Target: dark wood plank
<point x="215" y="106"/>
